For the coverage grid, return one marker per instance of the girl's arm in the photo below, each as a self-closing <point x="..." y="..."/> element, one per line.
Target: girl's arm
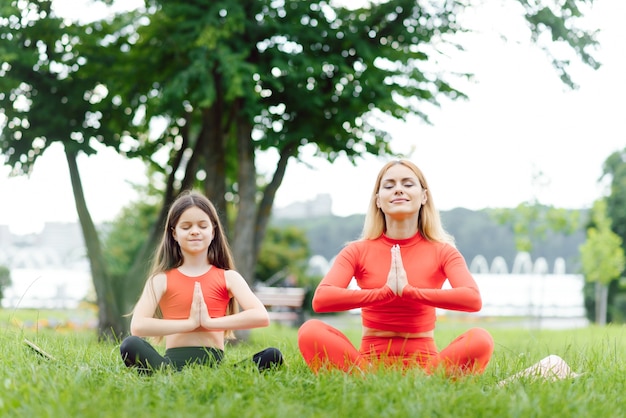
<point x="252" y="315"/>
<point x="143" y="322"/>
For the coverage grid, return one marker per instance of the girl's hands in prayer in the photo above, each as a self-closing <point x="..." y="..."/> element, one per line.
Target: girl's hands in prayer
<point x="199" y="313"/>
<point x="196" y="306"/>
<point x="205" y="318"/>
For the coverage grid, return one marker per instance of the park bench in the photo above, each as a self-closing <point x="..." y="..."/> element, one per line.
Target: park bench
<point x="284" y="304"/>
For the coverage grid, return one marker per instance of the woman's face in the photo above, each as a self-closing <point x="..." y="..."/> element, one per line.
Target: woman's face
<point x="400" y="192"/>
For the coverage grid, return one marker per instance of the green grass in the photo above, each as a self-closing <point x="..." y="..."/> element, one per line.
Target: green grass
<point x="88" y="379"/>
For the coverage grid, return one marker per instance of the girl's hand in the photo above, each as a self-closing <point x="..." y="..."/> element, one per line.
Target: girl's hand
<point x="195" y="313"/>
<point x="205" y="318"/>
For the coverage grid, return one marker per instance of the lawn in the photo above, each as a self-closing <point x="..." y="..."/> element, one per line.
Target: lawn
<point x="88" y="379"/>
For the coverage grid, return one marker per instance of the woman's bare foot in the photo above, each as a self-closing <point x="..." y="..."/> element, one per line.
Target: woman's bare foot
<point x="551" y="368"/>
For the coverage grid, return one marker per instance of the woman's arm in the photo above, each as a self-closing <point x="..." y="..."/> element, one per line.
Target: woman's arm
<point x="333" y="295"/>
<point x="464" y="294"/>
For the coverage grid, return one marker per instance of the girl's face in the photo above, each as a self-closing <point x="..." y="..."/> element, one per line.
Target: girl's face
<point x="400" y="192"/>
<point x="194" y="231"/>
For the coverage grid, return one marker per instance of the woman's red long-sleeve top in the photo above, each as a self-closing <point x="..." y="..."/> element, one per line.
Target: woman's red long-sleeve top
<point x="427" y="264"/>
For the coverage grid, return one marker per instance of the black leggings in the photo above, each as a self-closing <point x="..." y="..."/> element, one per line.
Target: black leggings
<point x="137" y="352"/>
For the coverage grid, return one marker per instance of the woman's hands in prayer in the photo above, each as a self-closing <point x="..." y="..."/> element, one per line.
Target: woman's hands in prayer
<point x="397" y="279"/>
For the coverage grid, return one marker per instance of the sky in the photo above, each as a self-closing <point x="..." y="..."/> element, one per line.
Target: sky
<point x="520" y="120"/>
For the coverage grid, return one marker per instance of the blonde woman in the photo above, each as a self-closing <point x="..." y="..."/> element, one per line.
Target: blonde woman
<point x="400" y="265"/>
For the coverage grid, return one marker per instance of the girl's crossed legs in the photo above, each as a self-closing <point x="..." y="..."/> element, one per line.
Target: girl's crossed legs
<point x="137" y="352"/>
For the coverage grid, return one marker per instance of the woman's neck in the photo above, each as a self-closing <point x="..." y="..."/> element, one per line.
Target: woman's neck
<point x="401" y="229"/>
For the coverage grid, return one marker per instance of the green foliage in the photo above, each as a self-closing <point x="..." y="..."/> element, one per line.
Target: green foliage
<point x="223" y="62"/>
<point x="46" y="96"/>
<point x="283" y="256"/>
<point x="532" y="221"/>
<point x="602" y="254"/>
<point x="5" y="280"/>
<point x="326" y="234"/>
<point x="127" y="233"/>
<point x="124" y="241"/>
<point x="603" y="261"/>
<point x="222" y="80"/>
<point x="546" y="19"/>
<point x="88" y="379"/>
<point x="615" y="171"/>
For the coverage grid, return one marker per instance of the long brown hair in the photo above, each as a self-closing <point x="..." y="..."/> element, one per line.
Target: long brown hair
<point x="169" y="256"/>
<point x="429" y="221"/>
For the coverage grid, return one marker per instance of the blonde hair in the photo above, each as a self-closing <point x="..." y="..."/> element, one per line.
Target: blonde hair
<point x="429" y="222"/>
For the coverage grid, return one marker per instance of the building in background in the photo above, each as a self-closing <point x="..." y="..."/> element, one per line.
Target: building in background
<point x="48" y="270"/>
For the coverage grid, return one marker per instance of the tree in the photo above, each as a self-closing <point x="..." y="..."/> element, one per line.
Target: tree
<point x="532" y="220"/>
<point x="5" y="280"/>
<point x="45" y="99"/>
<point x="602" y="257"/>
<point x="614" y="173"/>
<point x="284" y="255"/>
<point x="196" y="89"/>
<point x="125" y="237"/>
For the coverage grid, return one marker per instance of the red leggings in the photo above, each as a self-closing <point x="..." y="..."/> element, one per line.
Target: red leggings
<point x="324" y="347"/>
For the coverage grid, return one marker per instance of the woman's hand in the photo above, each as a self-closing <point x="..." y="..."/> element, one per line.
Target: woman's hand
<point x="396" y="279"/>
<point x="401" y="280"/>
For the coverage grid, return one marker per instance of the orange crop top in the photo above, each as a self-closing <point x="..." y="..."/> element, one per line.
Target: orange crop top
<point x="176" y="301"/>
<point x="427" y="264"/>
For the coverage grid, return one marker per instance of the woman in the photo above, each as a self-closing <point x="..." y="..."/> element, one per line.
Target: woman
<point x="190" y="296"/>
<point x="400" y="265"/>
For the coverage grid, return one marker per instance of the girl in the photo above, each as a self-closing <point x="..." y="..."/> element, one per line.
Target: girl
<point x="193" y="287"/>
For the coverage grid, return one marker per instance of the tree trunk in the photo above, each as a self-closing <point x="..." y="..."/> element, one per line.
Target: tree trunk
<point x="136" y="276"/>
<point x="110" y="322"/>
<point x="215" y="183"/>
<point x="264" y="211"/>
<point x="213" y="141"/>
<point x="602" y="292"/>
<point x="245" y="222"/>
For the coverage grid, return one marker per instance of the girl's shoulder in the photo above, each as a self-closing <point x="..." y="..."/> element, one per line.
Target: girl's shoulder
<point x="231" y="274"/>
<point x="234" y="280"/>
<point x="158" y="282"/>
<point x="158" y="277"/>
